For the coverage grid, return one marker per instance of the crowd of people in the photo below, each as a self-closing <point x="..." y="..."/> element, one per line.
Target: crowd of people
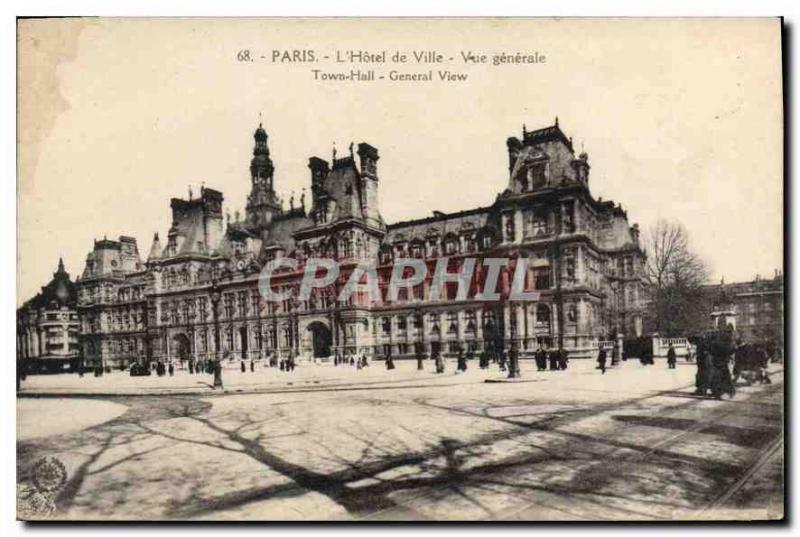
<point x="715" y="354"/>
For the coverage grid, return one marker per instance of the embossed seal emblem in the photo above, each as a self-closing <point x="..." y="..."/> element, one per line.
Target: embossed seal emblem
<point x="49" y="475"/>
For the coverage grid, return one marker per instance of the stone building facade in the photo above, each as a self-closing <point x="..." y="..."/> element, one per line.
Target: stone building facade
<point x="196" y="296"/>
<point x="47" y="326"/>
<point x="754" y="308"/>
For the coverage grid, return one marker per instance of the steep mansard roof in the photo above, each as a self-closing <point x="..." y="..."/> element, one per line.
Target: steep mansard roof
<point x="439" y="225"/>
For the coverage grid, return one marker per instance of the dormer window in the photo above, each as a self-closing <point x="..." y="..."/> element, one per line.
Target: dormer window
<point x="537" y="176"/>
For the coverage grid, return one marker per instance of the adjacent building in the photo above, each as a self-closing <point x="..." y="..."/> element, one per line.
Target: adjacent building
<point x="196" y="294"/>
<point x="47" y="326"/>
<point x="753" y="308"/>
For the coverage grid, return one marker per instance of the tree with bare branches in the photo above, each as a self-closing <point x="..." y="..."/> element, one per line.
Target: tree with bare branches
<point x="675" y="276"/>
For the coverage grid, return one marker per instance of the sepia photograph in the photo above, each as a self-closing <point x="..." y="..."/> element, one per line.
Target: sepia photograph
<point x="400" y="269"/>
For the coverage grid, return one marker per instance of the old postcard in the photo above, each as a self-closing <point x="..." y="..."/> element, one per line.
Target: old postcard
<point x="486" y="269"/>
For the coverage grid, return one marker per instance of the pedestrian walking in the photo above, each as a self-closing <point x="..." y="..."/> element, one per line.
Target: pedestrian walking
<point x="601" y="360"/>
<point x="389" y="363"/>
<point x="252" y="366"/>
<point x="563" y="359"/>
<point x="541" y="359"/>
<point x="439" y="363"/>
<point x="462" y="362"/>
<point x="244" y="369"/>
<point x="553" y="359"/>
<point x="171" y="369"/>
<point x="671" y="357"/>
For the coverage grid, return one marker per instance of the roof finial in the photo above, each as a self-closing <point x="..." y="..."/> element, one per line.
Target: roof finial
<point x="524" y="130"/>
<point x="351" y="149"/>
<point x="60" y="264"/>
<point x="190" y="192"/>
<point x="303" y="199"/>
<point x="334" y="152"/>
<point x="259" y="118"/>
<point x="291" y="201"/>
<point x="556" y="121"/>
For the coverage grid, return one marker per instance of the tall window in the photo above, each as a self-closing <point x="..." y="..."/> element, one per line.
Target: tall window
<point x="537" y="175"/>
<point x="541" y="277"/>
<point x="542" y="316"/>
<point x="569" y="217"/>
<point x="255" y="302"/>
<point x="539" y="224"/>
<point x="228" y="301"/>
<point x="242" y="303"/>
<point x="229" y="339"/>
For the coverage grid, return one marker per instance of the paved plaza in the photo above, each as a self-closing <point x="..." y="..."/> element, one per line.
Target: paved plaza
<point x="333" y="443"/>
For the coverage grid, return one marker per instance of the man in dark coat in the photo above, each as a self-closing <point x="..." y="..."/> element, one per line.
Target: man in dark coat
<point x="541" y="359"/>
<point x="703" y="360"/>
<point x="563" y="359"/>
<point x="389" y="362"/>
<point x="252" y="366"/>
<point x="602" y="356"/>
<point x="461" y="364"/>
<point x="671" y="357"/>
<point x="553" y="358"/>
<point x="244" y="369"/>
<point x="483" y="360"/>
<point x="601" y="360"/>
<point x="171" y="369"/>
<point x="721" y="350"/>
<point x="191" y="367"/>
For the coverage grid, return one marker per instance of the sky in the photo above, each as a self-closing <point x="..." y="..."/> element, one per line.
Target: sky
<point x="682" y="119"/>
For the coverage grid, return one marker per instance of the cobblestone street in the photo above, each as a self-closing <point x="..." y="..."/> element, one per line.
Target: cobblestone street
<point x="633" y="444"/>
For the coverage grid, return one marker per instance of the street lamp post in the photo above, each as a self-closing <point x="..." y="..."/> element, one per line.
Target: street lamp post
<point x="513" y="354"/>
<point x="421" y="343"/>
<point x="614" y="320"/>
<point x="215" y="297"/>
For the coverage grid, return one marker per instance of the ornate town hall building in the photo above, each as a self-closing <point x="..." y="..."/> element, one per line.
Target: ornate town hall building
<point x="196" y="294"/>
